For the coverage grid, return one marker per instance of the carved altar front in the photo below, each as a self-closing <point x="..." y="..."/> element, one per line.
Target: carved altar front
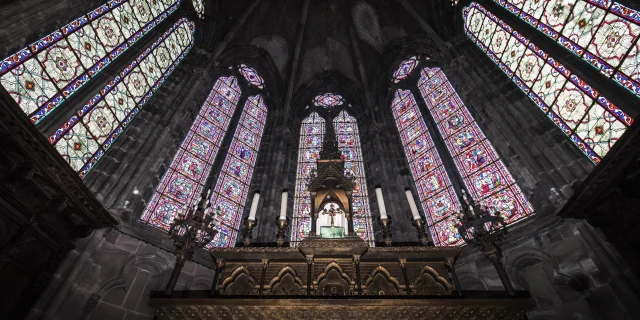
<point x="336" y="279"/>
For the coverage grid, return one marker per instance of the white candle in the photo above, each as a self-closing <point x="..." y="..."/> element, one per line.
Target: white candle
<point x="283" y="205"/>
<point x="254" y="206"/>
<point x="412" y="205"/>
<point x="383" y="209"/>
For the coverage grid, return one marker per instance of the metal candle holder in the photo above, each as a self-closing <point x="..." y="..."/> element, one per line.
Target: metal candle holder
<point x="282" y="228"/>
<point x="190" y="232"/>
<point x="386" y="232"/>
<point x="419" y="223"/>
<point x="248" y="234"/>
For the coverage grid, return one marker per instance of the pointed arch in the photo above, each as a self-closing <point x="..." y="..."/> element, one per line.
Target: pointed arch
<point x="309" y="147"/>
<point x="189" y="169"/>
<point x="589" y="119"/>
<point x="231" y="190"/>
<point x="437" y="197"/>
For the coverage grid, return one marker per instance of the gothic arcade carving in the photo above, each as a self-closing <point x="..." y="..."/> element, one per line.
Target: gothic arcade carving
<point x="287" y="282"/>
<point x="429" y="282"/>
<point x="380" y="282"/>
<point x="333" y="281"/>
<point x="240" y="282"/>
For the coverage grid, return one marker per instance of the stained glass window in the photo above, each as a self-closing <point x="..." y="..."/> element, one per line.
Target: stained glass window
<point x="328" y="100"/>
<point x="311" y="137"/>
<point x="438" y="199"/>
<point x="182" y="184"/>
<point x="84" y="138"/>
<point x="482" y="171"/>
<point x="232" y="187"/>
<point x="405" y="69"/>
<point x="602" y="32"/>
<point x="251" y="75"/>
<point x="591" y="121"/>
<point x="43" y="75"/>
<point x="346" y="129"/>
<point x="198" y="6"/>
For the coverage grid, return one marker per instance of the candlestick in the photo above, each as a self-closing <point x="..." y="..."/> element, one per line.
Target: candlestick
<point x="282" y="227"/>
<point x="248" y="235"/>
<point x="283" y="205"/>
<point x="412" y="205"/>
<point x="380" y="198"/>
<point x="424" y="238"/>
<point x="254" y="206"/>
<point x="386" y="233"/>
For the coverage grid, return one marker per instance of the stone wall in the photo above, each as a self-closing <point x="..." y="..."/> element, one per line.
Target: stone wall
<point x="109" y="276"/>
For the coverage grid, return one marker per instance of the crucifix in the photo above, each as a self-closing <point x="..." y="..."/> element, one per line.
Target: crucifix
<point x="332" y="212"/>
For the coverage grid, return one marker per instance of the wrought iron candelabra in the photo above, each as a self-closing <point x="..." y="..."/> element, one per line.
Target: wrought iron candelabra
<point x="190" y="231"/>
<point x="485" y="231"/>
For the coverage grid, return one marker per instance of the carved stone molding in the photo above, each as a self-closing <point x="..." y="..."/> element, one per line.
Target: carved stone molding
<point x="429" y="282"/>
<point x="240" y="282"/>
<point x="380" y="282"/>
<point x="287" y="282"/>
<point x="333" y="281"/>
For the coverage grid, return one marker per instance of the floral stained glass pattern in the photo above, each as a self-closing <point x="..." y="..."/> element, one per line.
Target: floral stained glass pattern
<point x="438" y="199"/>
<point x="311" y="137"/>
<point x="405" y="69"/>
<point x="232" y="187"/>
<point x="43" y="75"/>
<point x="346" y="130"/>
<point x="328" y="100"/>
<point x="183" y="182"/>
<point x="83" y="139"/>
<point x="603" y="32"/>
<point x="589" y="119"/>
<point x="251" y="75"/>
<point x="483" y="173"/>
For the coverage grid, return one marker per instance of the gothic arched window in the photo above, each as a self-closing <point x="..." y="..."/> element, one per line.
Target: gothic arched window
<point x="231" y="190"/>
<point x="184" y="180"/>
<point x="311" y="137"/>
<point x="85" y="137"/>
<point x="43" y="75"/>
<point x="438" y="199"/>
<point x="591" y="121"/>
<point x="604" y="33"/>
<point x="346" y="129"/>
<point x="482" y="171"/>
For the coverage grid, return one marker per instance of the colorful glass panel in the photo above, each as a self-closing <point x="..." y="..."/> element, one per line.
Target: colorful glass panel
<point x="562" y="96"/>
<point x="604" y="33"/>
<point x="251" y="75"/>
<point x="198" y="6"/>
<point x="346" y="130"/>
<point x="435" y="191"/>
<point x="311" y="137"/>
<point x="328" y="100"/>
<point x="483" y="173"/>
<point x="405" y="69"/>
<point x="41" y="76"/>
<point x="108" y="113"/>
<point x="193" y="161"/>
<point x="231" y="190"/>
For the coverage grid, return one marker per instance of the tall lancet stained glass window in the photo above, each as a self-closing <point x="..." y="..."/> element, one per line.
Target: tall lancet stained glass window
<point x="231" y="190"/>
<point x="591" y="121"/>
<point x="346" y="129"/>
<point x="183" y="182"/>
<point x="483" y="173"/>
<point x="86" y="136"/>
<point x="602" y="32"/>
<point x="438" y="199"/>
<point x="311" y="137"/>
<point x="43" y="75"/>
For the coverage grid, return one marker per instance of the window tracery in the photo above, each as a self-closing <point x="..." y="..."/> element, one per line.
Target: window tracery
<point x="602" y="32"/>
<point x="405" y="69"/>
<point x="251" y="75"/>
<point x="187" y="174"/>
<point x="328" y="100"/>
<point x="198" y="6"/>
<point x="85" y="137"/>
<point x="591" y="121"/>
<point x="43" y="75"/>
